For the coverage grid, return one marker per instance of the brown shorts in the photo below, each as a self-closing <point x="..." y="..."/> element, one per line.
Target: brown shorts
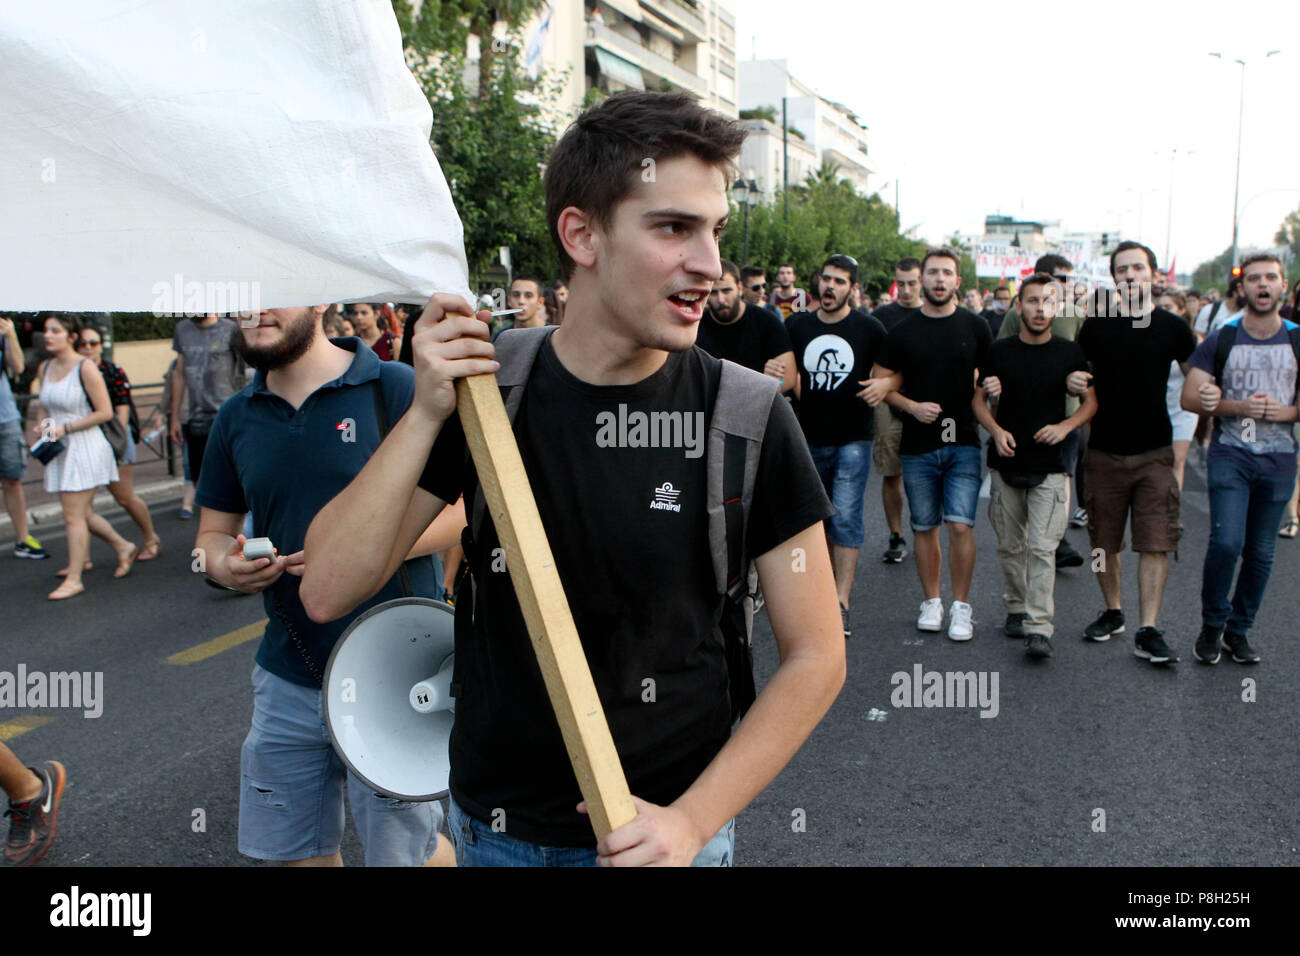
<point x="884" y="452"/>
<point x="1144" y="484"/>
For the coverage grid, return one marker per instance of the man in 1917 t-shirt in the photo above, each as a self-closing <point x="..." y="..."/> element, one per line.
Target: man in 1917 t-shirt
<point x="1130" y="460"/>
<point x="627" y="524"/>
<point x="1251" y="463"/>
<point x="935" y="355"/>
<point x="835" y="348"/>
<point x="1029" y="502"/>
<point x="747" y="335"/>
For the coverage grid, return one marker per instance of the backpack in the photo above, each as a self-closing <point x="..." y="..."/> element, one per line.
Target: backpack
<point x="1228" y="335"/>
<point x="735" y="439"/>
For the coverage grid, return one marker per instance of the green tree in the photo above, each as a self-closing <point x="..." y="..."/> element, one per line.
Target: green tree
<point x="492" y="146"/>
<point x="1214" y="273"/>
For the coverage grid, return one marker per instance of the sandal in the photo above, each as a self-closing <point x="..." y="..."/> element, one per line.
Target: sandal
<point x="124" y="563"/>
<point x="1290" y="528"/>
<point x="65" y="590"/>
<point x="151" y="549"/>
<point x="63" y="572"/>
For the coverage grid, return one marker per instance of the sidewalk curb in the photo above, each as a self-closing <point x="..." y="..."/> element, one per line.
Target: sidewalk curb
<point x="50" y="515"/>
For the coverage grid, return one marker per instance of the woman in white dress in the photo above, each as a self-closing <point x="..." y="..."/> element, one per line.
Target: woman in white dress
<point x="87" y="462"/>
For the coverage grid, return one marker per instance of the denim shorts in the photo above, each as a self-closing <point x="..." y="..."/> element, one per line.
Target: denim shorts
<point x="291" y="788"/>
<point x="478" y="844"/>
<point x="13" y="450"/>
<point x="844" y="470"/>
<point x="942" y="485"/>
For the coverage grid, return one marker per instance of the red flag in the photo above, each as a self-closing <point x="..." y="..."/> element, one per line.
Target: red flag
<point x="893" y="291"/>
<point x="1170" y="273"/>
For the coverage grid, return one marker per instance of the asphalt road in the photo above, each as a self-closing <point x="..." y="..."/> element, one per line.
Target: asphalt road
<point x="1175" y="765"/>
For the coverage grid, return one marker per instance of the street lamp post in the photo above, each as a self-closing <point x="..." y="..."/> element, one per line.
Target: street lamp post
<point x="1241" y="113"/>
<point x="746" y="193"/>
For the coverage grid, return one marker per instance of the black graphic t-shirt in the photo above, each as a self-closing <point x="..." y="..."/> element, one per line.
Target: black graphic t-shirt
<point x="938" y="357"/>
<point x="1033" y="395"/>
<point x="832" y="358"/>
<point x="622" y="496"/>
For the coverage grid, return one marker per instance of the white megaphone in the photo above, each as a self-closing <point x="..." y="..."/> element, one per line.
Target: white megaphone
<point x="388" y="704"/>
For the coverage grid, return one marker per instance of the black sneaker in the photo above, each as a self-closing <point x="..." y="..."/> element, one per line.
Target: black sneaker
<point x="1207" y="645"/>
<point x="844" y="619"/>
<point x="897" y="549"/>
<point x="1110" y="622"/>
<point x="1038" y="645"/>
<point x="1149" y="644"/>
<point x="32" y="825"/>
<point x="1240" y="649"/>
<point x="1015" y="625"/>
<point x="1066" y="556"/>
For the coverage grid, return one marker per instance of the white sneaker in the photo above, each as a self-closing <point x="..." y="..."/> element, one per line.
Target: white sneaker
<point x="931" y="618"/>
<point x="959" y="627"/>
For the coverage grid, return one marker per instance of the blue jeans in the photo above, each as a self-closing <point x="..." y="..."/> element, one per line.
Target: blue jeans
<point x="478" y="844"/>
<point x="1245" y="510"/>
<point x="292" y="783"/>
<point x="942" y="485"/>
<point x="844" y="470"/>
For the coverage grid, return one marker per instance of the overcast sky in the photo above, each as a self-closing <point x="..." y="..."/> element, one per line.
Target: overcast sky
<point x="1062" y="111"/>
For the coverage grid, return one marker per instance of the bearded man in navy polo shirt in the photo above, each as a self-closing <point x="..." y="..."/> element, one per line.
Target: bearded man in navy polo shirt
<point x="282" y="448"/>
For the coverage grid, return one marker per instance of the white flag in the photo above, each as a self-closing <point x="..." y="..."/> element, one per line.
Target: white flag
<point x="161" y="150"/>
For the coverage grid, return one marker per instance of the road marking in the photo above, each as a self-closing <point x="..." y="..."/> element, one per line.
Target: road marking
<point x="13" y="728"/>
<point x="201" y="652"/>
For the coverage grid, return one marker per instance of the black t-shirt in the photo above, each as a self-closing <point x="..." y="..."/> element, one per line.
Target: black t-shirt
<point x="832" y="358"/>
<point x="629" y="532"/>
<point x="938" y="357"/>
<point x="751" y="340"/>
<point x="1130" y="366"/>
<point x="994" y="318"/>
<point x="891" y="315"/>
<point x="1033" y="395"/>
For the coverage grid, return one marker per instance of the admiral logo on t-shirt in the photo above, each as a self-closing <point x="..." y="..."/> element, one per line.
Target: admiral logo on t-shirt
<point x="666" y="498"/>
<point x="829" y="361"/>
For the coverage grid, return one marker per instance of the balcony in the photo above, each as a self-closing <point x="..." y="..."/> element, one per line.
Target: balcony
<point x="681" y="15"/>
<point x="601" y="36"/>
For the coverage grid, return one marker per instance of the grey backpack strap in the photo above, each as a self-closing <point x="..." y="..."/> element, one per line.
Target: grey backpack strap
<point x="516" y="350"/>
<point x="740" y="414"/>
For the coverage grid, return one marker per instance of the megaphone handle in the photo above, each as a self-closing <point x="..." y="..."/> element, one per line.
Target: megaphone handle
<point x="545" y="608"/>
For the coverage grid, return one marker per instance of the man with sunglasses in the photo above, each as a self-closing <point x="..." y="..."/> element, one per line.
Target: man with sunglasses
<point x="834" y="350"/>
<point x="1065" y="325"/>
<point x="753" y="287"/>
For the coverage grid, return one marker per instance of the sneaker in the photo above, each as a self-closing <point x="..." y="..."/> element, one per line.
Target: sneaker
<point x="32" y="824"/>
<point x="897" y="549"/>
<point x="959" y="624"/>
<point x="1079" y="519"/>
<point x="1067" y="557"/>
<point x="1240" y="649"/>
<point x="931" y="618"/>
<point x="29" y="547"/>
<point x="1207" y="645"/>
<point x="1038" y="645"/>
<point x="1149" y="644"/>
<point x="844" y="619"/>
<point x="1015" y="625"/>
<point x="1110" y="622"/>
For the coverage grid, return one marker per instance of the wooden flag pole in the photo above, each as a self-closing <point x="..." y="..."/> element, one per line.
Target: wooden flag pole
<point x="541" y="596"/>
